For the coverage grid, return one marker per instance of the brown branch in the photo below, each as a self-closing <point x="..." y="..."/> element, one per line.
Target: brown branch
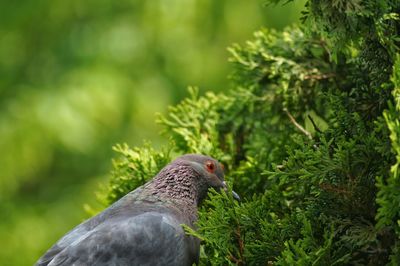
<point x="241" y="244"/>
<point x="335" y="189"/>
<point x="234" y="260"/>
<point x="320" y="76"/>
<point x="294" y="122"/>
<point x="240" y="260"/>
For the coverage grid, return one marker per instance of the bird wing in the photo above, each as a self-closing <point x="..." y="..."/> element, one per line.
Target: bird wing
<point x="150" y="238"/>
<point x="87" y="227"/>
<point x="127" y="229"/>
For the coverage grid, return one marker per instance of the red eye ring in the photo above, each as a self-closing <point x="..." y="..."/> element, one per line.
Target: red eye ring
<point x="210" y="166"/>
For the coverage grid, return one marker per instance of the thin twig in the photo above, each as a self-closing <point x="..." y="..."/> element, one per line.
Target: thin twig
<point x="314" y="125"/>
<point x="234" y="260"/>
<point x="302" y="129"/>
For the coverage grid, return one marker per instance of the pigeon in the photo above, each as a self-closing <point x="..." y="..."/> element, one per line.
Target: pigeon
<point x="145" y="226"/>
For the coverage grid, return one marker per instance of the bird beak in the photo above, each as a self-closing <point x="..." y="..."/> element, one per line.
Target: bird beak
<point x="234" y="194"/>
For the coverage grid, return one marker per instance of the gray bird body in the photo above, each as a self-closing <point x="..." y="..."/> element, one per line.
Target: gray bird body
<point x="145" y="226"/>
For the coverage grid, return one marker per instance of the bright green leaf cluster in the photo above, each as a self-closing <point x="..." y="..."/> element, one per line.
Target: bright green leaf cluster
<point x="134" y="168"/>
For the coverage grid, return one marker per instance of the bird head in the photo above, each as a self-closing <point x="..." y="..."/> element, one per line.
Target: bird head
<point x="209" y="169"/>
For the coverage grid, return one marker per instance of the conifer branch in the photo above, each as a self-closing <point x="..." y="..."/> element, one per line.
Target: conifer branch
<point x="350" y="172"/>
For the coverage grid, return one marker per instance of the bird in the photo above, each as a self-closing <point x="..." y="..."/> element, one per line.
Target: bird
<point x="144" y="227"/>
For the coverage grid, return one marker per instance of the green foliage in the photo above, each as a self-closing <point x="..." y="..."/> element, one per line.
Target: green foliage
<point x="388" y="198"/>
<point x="349" y="24"/>
<point x="134" y="167"/>
<point x="191" y="124"/>
<point x="310" y="137"/>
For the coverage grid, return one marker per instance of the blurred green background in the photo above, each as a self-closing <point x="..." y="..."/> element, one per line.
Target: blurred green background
<point x="76" y="77"/>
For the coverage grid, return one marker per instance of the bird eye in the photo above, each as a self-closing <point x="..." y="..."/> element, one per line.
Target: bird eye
<point x="210" y="166"/>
